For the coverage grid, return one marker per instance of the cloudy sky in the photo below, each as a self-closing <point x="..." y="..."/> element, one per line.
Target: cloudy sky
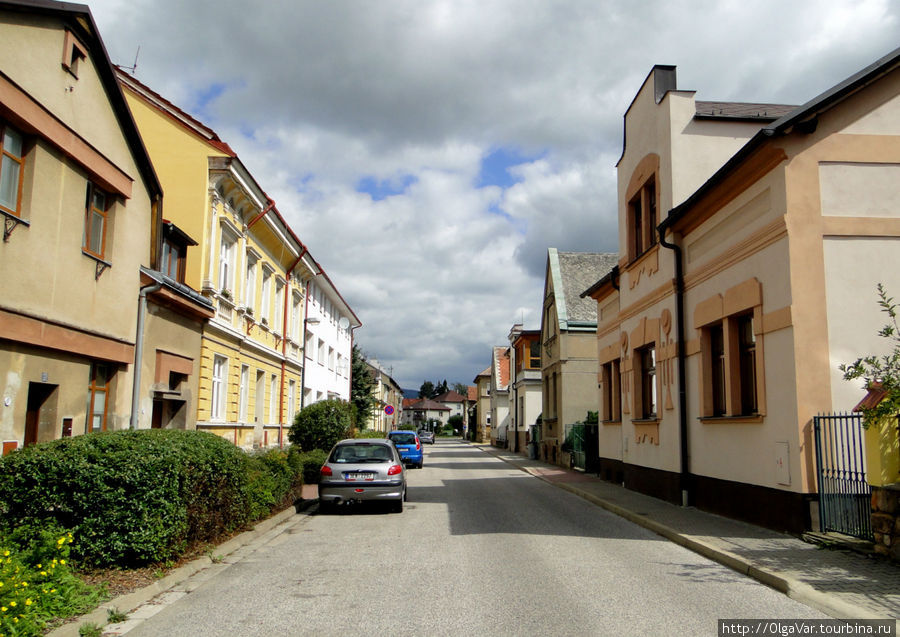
<point x="429" y="152"/>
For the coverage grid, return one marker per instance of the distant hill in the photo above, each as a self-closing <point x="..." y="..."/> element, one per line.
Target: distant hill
<point x="410" y="393"/>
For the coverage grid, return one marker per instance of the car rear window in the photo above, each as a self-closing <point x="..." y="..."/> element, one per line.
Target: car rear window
<point x="361" y="453"/>
<point x="404" y="439"/>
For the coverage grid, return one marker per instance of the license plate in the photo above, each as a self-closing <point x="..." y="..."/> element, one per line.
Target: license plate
<point x="359" y="475"/>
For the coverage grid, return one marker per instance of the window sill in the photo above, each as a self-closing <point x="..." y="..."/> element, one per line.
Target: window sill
<point x="646" y="421"/>
<point x="101" y="264"/>
<point x="731" y="420"/>
<point x="642" y="256"/>
<point x="610" y="422"/>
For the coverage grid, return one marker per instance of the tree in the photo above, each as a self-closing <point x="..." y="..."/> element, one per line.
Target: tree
<point x="427" y="390"/>
<point x="461" y="388"/>
<point x="321" y="425"/>
<point x="362" y="387"/>
<point x="880" y="372"/>
<point x="441" y="388"/>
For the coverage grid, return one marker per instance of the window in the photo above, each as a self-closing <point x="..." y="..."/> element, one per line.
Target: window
<point x="534" y="355"/>
<point x="96" y="219"/>
<point x="295" y="317"/>
<point x="244" y="392"/>
<point x="73" y="52"/>
<point x="321" y="358"/>
<point x="278" y="318"/>
<point x="331" y="358"/>
<point x="217" y="403"/>
<point x="250" y="284"/>
<point x="729" y="368"/>
<point x="274" y="416"/>
<point x="226" y="262"/>
<point x="310" y="345"/>
<point x="646" y="357"/>
<point x="266" y="294"/>
<point x="12" y="170"/>
<point x="642" y="219"/>
<point x="292" y="396"/>
<point x="611" y="392"/>
<point x="747" y="364"/>
<point x="98" y="397"/>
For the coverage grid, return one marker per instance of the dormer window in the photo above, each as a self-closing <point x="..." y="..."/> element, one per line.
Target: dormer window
<point x="73" y="52"/>
<point x="174" y="251"/>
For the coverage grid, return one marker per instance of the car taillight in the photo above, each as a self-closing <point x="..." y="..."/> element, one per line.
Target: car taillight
<point x="395" y="469"/>
<point x="325" y="470"/>
<point x="418" y="444"/>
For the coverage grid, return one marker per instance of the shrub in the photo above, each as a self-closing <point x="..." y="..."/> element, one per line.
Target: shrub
<point x="308" y="462"/>
<point x="368" y="433"/>
<point x="130" y="497"/>
<point x="272" y="482"/>
<point x="321" y="425"/>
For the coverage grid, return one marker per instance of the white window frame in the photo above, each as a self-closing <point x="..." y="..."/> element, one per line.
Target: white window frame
<point x="273" y="399"/>
<point x="244" y="393"/>
<point x="266" y="301"/>
<point x="219" y="388"/>
<point x="227" y="245"/>
<point x="278" y="318"/>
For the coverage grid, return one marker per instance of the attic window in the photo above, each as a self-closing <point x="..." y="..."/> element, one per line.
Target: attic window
<point x="73" y="52"/>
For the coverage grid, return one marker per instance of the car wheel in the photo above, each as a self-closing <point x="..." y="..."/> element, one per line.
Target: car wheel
<point x="398" y="506"/>
<point x="405" y="495"/>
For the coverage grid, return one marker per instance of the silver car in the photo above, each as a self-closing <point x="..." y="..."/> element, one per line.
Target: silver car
<point x="365" y="469"/>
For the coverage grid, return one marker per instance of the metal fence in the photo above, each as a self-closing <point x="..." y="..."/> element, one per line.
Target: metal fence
<point x="575" y="441"/>
<point x="844" y="494"/>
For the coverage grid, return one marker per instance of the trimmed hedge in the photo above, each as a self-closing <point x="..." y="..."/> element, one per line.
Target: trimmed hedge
<point x="308" y="463"/>
<point x="138" y="497"/>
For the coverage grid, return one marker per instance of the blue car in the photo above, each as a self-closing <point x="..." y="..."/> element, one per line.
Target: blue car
<point x="409" y="446"/>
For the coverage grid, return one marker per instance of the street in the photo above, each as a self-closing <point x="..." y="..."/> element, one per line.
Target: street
<point x="481" y="548"/>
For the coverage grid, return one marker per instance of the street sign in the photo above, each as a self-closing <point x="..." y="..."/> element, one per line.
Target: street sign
<point x="389" y="410"/>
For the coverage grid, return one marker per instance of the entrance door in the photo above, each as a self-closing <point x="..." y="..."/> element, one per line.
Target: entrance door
<point x="40" y="414"/>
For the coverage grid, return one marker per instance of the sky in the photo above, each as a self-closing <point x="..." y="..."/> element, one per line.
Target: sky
<point x="429" y="152"/>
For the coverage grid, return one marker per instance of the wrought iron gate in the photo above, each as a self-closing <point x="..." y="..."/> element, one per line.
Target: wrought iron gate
<point x="575" y="442"/>
<point x="844" y="494"/>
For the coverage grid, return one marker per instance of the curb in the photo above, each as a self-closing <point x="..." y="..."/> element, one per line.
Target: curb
<point x="130" y="601"/>
<point x="793" y="588"/>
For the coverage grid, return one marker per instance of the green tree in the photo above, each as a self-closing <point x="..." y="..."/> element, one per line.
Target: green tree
<point x="427" y="390"/>
<point x="321" y="425"/>
<point x="441" y="388"/>
<point x="461" y="388"/>
<point x="362" y="387"/>
<point x="882" y="372"/>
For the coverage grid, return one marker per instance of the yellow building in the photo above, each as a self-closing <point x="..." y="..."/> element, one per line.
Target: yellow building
<point x="252" y="267"/>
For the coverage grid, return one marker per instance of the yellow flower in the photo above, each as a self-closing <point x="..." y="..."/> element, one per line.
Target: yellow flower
<point x="5" y="553"/>
<point x="61" y="541"/>
<point x="28" y="602"/>
<point x="52" y="590"/>
<point x="3" y="608"/>
<point x="44" y="573"/>
<point x="62" y="562"/>
<point x="13" y="604"/>
<point x="24" y="584"/>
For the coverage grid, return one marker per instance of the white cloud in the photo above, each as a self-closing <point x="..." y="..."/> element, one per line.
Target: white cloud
<point x="316" y="96"/>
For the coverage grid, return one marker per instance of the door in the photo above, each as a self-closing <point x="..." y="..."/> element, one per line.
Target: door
<point x="40" y="414"/>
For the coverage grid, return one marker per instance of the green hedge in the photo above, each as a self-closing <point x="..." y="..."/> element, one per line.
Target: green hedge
<point x="137" y="497"/>
<point x="308" y="463"/>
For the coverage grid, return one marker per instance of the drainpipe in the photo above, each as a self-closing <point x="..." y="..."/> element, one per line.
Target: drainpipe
<point x="303" y="358"/>
<point x="265" y="211"/>
<point x="284" y="336"/>
<point x="139" y="351"/>
<point x="682" y="374"/>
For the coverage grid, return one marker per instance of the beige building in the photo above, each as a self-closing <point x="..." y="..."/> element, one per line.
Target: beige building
<point x="86" y="292"/>
<point x="752" y="237"/>
<point x="388" y="410"/>
<point x="482" y="418"/>
<point x="499" y="395"/>
<point x="569" y="345"/>
<point x="525" y="385"/>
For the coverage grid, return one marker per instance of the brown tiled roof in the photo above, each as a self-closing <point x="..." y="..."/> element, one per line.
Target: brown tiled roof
<point x="741" y="110"/>
<point x="873" y="398"/>
<point x="501" y="358"/>
<point x="450" y="397"/>
<point x="472" y="393"/>
<point x="430" y="405"/>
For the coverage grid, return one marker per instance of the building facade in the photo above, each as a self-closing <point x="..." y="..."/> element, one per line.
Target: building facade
<point x="569" y="345"/>
<point x="388" y="410"/>
<point x="93" y="337"/>
<point x="525" y="385"/>
<point x="721" y="330"/>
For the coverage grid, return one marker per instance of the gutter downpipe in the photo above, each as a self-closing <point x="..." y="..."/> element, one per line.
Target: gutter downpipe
<point x="139" y="351"/>
<point x="284" y="337"/>
<point x="265" y="211"/>
<point x="305" y="325"/>
<point x="682" y="373"/>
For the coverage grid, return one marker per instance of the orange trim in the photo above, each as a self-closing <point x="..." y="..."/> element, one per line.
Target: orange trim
<point x="29" y="116"/>
<point x="32" y="331"/>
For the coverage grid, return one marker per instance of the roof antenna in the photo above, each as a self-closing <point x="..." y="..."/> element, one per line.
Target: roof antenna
<point x="131" y="69"/>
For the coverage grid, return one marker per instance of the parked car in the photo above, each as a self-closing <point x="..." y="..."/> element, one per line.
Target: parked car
<point x="426" y="436"/>
<point x="409" y="445"/>
<point x="364" y="469"/>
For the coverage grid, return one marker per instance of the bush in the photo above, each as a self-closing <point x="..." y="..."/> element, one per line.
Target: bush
<point x="129" y="497"/>
<point x="321" y="425"/>
<point x="368" y="433"/>
<point x="273" y="482"/>
<point x="37" y="584"/>
<point x="308" y="463"/>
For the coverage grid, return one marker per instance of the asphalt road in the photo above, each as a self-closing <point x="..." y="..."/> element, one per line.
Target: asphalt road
<point x="480" y="549"/>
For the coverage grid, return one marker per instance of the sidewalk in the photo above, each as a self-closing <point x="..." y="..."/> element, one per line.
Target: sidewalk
<point x="841" y="583"/>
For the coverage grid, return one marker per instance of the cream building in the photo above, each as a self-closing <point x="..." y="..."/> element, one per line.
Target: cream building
<point x="95" y="337"/>
<point x="569" y="345"/>
<point x="752" y="237"/>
